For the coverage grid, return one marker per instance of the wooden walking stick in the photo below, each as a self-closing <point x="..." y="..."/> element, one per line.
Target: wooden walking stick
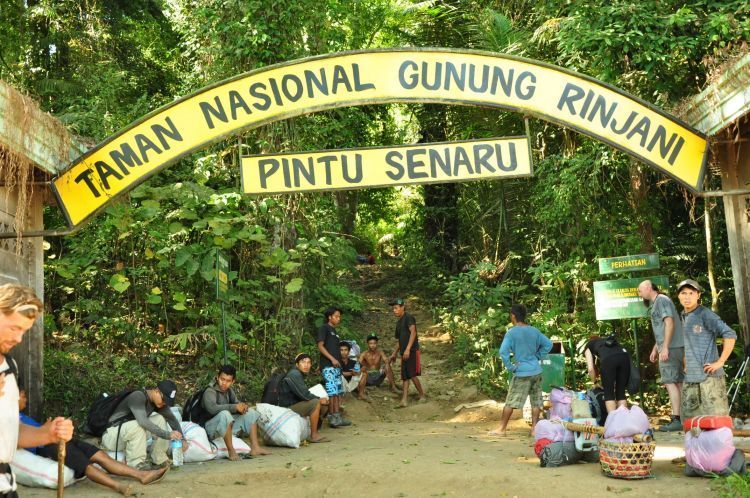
<point x="595" y="429"/>
<point x="60" y="468"/>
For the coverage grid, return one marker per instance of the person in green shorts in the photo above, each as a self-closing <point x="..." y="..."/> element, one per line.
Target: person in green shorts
<point x="528" y="346"/>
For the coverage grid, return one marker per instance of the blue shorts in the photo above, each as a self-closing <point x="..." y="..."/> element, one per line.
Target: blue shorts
<point x="332" y="381"/>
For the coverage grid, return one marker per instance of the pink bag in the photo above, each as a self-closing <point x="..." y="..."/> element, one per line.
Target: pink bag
<point x="553" y="431"/>
<point x="709" y="451"/>
<point x="561" y="400"/>
<point x="622" y="424"/>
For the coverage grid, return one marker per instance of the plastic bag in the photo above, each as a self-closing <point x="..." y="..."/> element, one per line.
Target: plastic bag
<point x="34" y="470"/>
<point x="545" y="429"/>
<point x="561" y="400"/>
<point x="199" y="448"/>
<point x="709" y="451"/>
<point x="622" y="424"/>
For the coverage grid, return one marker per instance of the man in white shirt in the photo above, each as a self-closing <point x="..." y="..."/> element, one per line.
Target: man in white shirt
<point x="19" y="308"/>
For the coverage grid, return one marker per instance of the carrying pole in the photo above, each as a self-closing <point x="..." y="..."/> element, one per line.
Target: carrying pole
<point x="60" y="468"/>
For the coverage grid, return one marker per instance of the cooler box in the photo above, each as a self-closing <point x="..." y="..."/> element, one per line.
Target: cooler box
<point x="553" y="367"/>
<point x="708" y="422"/>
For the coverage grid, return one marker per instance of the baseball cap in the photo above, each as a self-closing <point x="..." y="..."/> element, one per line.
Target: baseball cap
<point x="372" y="337"/>
<point x="398" y="301"/>
<point x="169" y="390"/>
<point x="689" y="282"/>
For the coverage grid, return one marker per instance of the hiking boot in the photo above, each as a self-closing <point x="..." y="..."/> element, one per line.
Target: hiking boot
<point x="342" y="421"/>
<point x="333" y="421"/>
<point x="674" y="425"/>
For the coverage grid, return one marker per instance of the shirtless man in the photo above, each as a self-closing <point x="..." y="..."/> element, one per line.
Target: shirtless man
<point x="375" y="367"/>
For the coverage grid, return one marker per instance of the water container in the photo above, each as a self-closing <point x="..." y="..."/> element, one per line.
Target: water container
<point x="176" y="452"/>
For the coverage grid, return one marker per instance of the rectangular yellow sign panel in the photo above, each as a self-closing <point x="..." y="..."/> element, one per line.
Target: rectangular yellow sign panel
<point x="386" y="166"/>
<point x="376" y="77"/>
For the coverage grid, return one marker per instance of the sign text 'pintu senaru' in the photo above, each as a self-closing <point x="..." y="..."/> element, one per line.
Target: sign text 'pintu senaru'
<point x="376" y="77"/>
<point x="386" y="166"/>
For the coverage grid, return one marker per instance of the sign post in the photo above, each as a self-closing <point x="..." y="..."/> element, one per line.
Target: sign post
<point x="222" y="287"/>
<point x="615" y="299"/>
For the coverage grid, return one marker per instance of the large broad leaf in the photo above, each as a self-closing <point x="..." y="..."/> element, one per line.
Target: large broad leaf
<point x="294" y="285"/>
<point x="119" y="282"/>
<point x="153" y="299"/>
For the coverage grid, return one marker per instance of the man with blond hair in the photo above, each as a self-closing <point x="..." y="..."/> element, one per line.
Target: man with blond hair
<point x="19" y="308"/>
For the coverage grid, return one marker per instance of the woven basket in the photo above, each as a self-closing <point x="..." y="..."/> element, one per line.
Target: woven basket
<point x="626" y="460"/>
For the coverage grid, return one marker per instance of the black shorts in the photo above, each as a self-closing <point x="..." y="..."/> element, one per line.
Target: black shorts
<point x="411" y="367"/>
<point x="77" y="455"/>
<point x="615" y="374"/>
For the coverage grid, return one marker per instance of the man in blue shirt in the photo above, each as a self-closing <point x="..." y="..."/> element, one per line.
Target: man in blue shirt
<point x="704" y="391"/>
<point x="528" y="346"/>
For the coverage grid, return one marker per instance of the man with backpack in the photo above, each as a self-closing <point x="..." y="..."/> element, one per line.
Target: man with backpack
<point x="135" y="416"/>
<point x="19" y="309"/>
<point x="294" y="394"/>
<point x="226" y="416"/>
<point x="669" y="346"/>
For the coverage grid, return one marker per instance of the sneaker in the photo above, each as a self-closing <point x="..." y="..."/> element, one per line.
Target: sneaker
<point x="333" y="421"/>
<point x="342" y="421"/>
<point x="674" y="425"/>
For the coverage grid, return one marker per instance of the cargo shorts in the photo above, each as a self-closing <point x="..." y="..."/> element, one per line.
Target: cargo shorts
<point x="520" y="387"/>
<point x="705" y="398"/>
<point x="672" y="371"/>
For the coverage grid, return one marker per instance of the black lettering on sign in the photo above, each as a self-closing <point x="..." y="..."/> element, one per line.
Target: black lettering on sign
<point x="451" y="73"/>
<point x="300" y="169"/>
<point x="358" y="85"/>
<point x="412" y="164"/>
<point x="461" y="159"/>
<point x="266" y="173"/>
<point x="626" y="126"/>
<point x="326" y="160"/>
<point x="340" y="78"/>
<point x="285" y="170"/>
<point x="144" y="145"/>
<point x="320" y="83"/>
<point x="265" y="100"/>
<point x="390" y="159"/>
<point x="104" y="171"/>
<point x="85" y="176"/>
<point x="126" y="156"/>
<point x="163" y="133"/>
<point x="600" y="107"/>
<point x="210" y="112"/>
<point x="237" y="102"/>
<point x="357" y="178"/>
<point x="513" y="164"/>
<point x="288" y="81"/>
<point x="642" y="128"/>
<point x="570" y="94"/>
<point x="444" y="162"/>
<point x="413" y="79"/>
<point x="485" y="78"/>
<point x="482" y="152"/>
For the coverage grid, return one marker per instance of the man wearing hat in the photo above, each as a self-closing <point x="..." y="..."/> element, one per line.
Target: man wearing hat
<point x="144" y="412"/>
<point x="408" y="347"/>
<point x="704" y="391"/>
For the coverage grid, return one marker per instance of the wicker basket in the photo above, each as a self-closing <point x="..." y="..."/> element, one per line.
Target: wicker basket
<point x="626" y="460"/>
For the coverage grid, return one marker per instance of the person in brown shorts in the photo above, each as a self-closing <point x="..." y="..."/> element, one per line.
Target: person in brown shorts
<point x="295" y="395"/>
<point x="408" y="346"/>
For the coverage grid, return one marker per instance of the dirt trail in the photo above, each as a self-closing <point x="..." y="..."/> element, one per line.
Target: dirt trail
<point x="426" y="449"/>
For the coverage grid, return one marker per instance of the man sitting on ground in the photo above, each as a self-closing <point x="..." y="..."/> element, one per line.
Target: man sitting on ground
<point x="350" y="368"/>
<point x="81" y="457"/>
<point x="375" y="367"/>
<point x="144" y="412"/>
<point x="295" y="395"/>
<point x="229" y="416"/>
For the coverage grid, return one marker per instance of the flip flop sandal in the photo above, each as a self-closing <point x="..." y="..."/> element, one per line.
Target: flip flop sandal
<point x="320" y="440"/>
<point x="159" y="478"/>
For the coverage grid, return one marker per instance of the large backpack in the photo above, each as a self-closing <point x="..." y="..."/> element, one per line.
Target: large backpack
<point x="102" y="409"/>
<point x="272" y="389"/>
<point x="598" y="406"/>
<point x="193" y="411"/>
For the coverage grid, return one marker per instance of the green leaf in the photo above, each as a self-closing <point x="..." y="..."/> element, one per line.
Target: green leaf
<point x="294" y="285"/>
<point x="119" y="282"/>
<point x="153" y="299"/>
<point x="156" y="291"/>
<point x="179" y="307"/>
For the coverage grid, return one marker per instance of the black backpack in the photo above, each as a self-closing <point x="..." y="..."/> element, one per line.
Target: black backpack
<point x="272" y="389"/>
<point x="102" y="409"/>
<point x="193" y="410"/>
<point x="598" y="407"/>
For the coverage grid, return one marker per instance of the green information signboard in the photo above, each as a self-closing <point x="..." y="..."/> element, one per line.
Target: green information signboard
<point x="619" y="298"/>
<point x="624" y="264"/>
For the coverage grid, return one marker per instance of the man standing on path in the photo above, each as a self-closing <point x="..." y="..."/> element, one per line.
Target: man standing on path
<point x="669" y="346"/>
<point x="19" y="309"/>
<point x="704" y="391"/>
<point x="408" y="346"/>
<point x="528" y="346"/>
<point x="330" y="365"/>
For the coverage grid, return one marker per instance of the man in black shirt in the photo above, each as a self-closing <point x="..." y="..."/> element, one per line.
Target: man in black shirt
<point x="408" y="346"/>
<point x="295" y="395"/>
<point x="330" y="365"/>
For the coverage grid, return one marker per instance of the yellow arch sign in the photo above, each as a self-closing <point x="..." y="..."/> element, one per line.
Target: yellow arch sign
<point x="375" y="77"/>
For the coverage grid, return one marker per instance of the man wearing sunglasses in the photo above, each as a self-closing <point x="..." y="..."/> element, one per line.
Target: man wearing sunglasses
<point x="19" y="308"/>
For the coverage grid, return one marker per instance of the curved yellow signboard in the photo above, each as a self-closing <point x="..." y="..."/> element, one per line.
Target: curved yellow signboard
<point x="374" y="77"/>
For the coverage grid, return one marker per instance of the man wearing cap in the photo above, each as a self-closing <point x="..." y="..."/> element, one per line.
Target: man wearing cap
<point x="295" y="395"/>
<point x="330" y="365"/>
<point x="144" y="412"/>
<point x="375" y="367"/>
<point x="229" y="416"/>
<point x="669" y="346"/>
<point x="408" y="346"/>
<point x="19" y="309"/>
<point x="704" y="391"/>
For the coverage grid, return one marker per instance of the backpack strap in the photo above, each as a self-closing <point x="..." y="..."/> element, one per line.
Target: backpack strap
<point x="12" y="366"/>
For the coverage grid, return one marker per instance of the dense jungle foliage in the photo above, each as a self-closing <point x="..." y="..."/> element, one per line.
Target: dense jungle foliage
<point x="131" y="297"/>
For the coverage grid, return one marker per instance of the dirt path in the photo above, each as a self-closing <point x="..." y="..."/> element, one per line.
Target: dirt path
<point x="426" y="449"/>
